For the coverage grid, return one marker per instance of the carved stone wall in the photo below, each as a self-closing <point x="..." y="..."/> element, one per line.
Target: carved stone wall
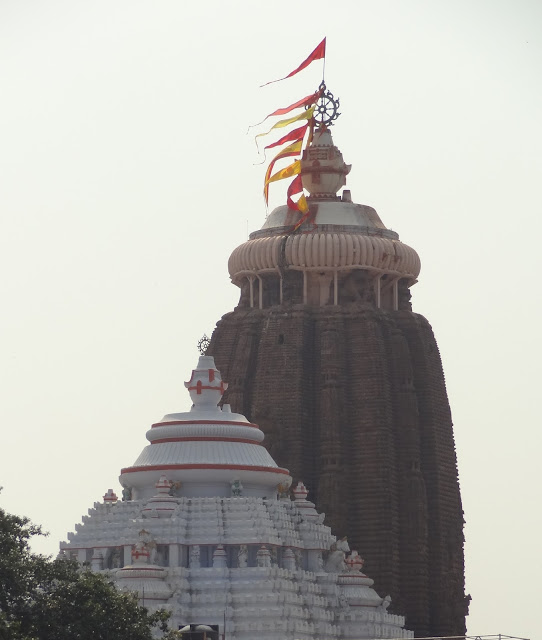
<point x="353" y="402"/>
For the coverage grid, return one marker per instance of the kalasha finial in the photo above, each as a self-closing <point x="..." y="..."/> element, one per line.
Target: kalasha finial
<point x="203" y="344"/>
<point x="326" y="109"/>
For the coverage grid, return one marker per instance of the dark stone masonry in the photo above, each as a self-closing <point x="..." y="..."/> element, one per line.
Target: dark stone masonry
<point x="352" y="400"/>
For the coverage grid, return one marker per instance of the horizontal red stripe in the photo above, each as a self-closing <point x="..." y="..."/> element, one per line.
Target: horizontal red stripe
<point x="233" y="467"/>
<point x="242" y="424"/>
<point x="206" y="439"/>
<point x="206" y="386"/>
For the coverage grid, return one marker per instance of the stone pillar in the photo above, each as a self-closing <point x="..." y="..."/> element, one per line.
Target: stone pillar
<point x="173" y="555"/>
<point x="260" y="293"/>
<point x="127" y="555"/>
<point x="395" y="294"/>
<point x="81" y="556"/>
<point x="377" y="290"/>
<point x="251" y="281"/>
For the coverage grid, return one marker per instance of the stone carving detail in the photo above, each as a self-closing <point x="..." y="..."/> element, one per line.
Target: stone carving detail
<point x="149" y="544"/>
<point x="115" y="559"/>
<point x="335" y="562"/>
<point x="236" y="488"/>
<point x="195" y="557"/>
<point x="263" y="557"/>
<point x="175" y="489"/>
<point x="288" y="560"/>
<point x="242" y="557"/>
<point x="220" y="558"/>
<point x="283" y="491"/>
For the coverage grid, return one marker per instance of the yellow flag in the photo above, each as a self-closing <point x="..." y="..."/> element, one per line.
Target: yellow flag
<point x="291" y="150"/>
<point x="302" y="204"/>
<point x="305" y="115"/>
<point x="289" y="171"/>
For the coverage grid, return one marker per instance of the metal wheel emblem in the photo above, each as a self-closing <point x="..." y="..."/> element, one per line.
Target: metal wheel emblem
<point x="327" y="108"/>
<point x="203" y="344"/>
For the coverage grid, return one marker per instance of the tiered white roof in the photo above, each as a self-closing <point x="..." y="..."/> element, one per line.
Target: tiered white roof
<point x="206" y="448"/>
<point x="208" y="530"/>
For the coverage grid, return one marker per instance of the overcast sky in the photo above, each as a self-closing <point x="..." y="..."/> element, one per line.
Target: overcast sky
<point x="127" y="179"/>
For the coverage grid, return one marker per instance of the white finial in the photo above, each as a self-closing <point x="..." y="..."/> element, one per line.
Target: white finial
<point x="206" y="386"/>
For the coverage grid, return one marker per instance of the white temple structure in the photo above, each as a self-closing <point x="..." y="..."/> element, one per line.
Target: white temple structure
<point x="207" y="529"/>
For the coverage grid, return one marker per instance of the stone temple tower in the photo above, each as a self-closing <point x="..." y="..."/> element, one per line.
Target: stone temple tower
<point x="324" y="324"/>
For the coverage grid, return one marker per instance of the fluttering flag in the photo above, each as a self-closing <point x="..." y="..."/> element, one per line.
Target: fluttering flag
<point x="305" y="115"/>
<point x="307" y="101"/>
<point x="293" y="149"/>
<point x="306" y="215"/>
<point x="289" y="171"/>
<point x="297" y="187"/>
<point x="317" y="54"/>
<point x="295" y="134"/>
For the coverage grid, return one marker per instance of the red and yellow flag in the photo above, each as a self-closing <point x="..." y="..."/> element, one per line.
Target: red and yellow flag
<point x="297" y="187"/>
<point x="289" y="171"/>
<point x="295" y="134"/>
<point x="307" y="101"/>
<point x="305" y="115"/>
<point x="293" y="149"/>
<point x="317" y="54"/>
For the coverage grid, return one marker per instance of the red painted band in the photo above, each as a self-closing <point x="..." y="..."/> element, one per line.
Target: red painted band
<point x="205" y="386"/>
<point x="224" y="422"/>
<point x="206" y="439"/>
<point x="233" y="467"/>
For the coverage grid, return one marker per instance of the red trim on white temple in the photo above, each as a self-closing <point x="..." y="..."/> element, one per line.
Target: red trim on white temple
<point x="223" y="422"/>
<point x="206" y="439"/>
<point x="200" y="386"/>
<point x="233" y="467"/>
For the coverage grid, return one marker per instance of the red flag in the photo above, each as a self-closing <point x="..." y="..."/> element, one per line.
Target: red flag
<point x="307" y="101"/>
<point x="295" y="134"/>
<point x="301" y="205"/>
<point x="286" y="153"/>
<point x="295" y="187"/>
<point x="317" y="54"/>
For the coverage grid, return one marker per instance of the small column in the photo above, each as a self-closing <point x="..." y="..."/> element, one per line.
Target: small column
<point x="377" y="290"/>
<point x="81" y="556"/>
<point x="280" y="289"/>
<point x="251" y="283"/>
<point x="173" y="555"/>
<point x="335" y="287"/>
<point x="260" y="293"/>
<point x="97" y="561"/>
<point x="220" y="558"/>
<point x="304" y="287"/>
<point x="288" y="560"/>
<point x="396" y="295"/>
<point x="127" y="555"/>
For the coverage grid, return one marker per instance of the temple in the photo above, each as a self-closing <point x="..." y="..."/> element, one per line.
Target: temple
<point x="325" y="353"/>
<point x="209" y="528"/>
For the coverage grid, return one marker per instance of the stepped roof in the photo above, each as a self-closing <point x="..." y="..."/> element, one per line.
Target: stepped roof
<point x="208" y="530"/>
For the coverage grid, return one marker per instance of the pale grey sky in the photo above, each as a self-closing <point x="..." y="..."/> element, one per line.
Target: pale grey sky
<point x="127" y="178"/>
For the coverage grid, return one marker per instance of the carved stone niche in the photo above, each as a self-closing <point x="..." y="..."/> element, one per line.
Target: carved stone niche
<point x="357" y="287"/>
<point x="270" y="290"/>
<point x="244" y="299"/>
<point x="404" y="296"/>
<point x="292" y="287"/>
